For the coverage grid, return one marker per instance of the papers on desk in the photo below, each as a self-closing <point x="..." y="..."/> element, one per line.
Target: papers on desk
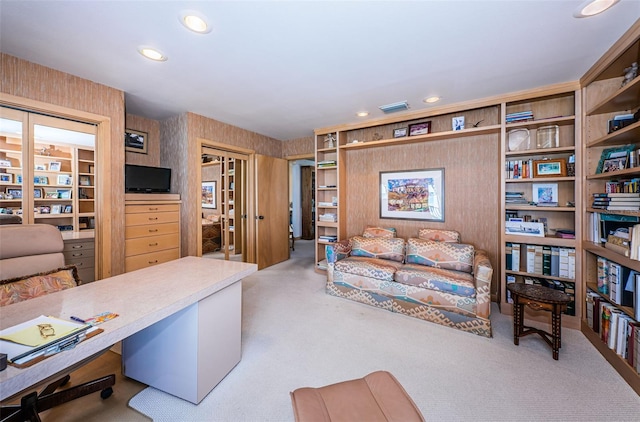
<point x="40" y="337"/>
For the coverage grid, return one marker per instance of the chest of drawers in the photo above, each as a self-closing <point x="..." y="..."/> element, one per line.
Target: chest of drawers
<point x="152" y="233"/>
<point x="81" y="253"/>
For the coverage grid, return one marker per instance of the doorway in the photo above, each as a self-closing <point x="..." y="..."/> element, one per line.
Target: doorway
<point x="224" y="204"/>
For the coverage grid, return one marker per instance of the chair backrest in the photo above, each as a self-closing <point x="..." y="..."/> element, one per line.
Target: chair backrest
<point x="29" y="249"/>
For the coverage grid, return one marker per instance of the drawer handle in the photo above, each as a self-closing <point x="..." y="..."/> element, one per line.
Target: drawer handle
<point x="77" y="254"/>
<point x="534" y="305"/>
<point x="77" y="247"/>
<point x="153" y="230"/>
<point x="153" y="262"/>
<point x="79" y="264"/>
<point x="153" y="218"/>
<point x="153" y="244"/>
<point x="153" y="209"/>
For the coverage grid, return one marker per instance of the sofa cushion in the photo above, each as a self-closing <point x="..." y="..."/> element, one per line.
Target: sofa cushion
<point x="447" y="255"/>
<point x="381" y="269"/>
<point x="28" y="287"/>
<point x="372" y="231"/>
<point x="439" y="235"/>
<point x="439" y="279"/>
<point x="378" y="247"/>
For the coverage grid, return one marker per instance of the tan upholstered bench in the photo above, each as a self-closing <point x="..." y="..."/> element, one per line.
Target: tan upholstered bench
<point x="376" y="397"/>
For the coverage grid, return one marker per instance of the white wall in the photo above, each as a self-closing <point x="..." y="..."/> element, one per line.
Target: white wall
<point x="294" y="193"/>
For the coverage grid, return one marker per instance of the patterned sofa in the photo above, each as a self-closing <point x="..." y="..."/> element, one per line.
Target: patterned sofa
<point x="433" y="277"/>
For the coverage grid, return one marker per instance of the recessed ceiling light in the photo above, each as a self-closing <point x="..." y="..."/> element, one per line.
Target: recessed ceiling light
<point x="362" y="113"/>
<point x="431" y="100"/>
<point x="195" y="21"/>
<point x="593" y="7"/>
<point x="152" y="53"/>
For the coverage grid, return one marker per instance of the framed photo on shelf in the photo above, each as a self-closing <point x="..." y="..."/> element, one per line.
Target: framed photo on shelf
<point x="45" y="209"/>
<point x="5" y="163"/>
<point x="556" y="167"/>
<point x="64" y="193"/>
<point x="67" y="209"/>
<point x="64" y="180"/>
<point x="209" y="193"/>
<point x="135" y="141"/>
<point x="40" y="167"/>
<point x="545" y="193"/>
<point x="85" y="180"/>
<point x="15" y="193"/>
<point x="51" y="195"/>
<point x="523" y="228"/>
<point x="612" y="158"/>
<point x="457" y="123"/>
<point x="420" y="128"/>
<point x="40" y="180"/>
<point x="6" y="178"/>
<point x="54" y="166"/>
<point x="400" y="133"/>
<point x="37" y="193"/>
<point x="56" y="209"/>
<point x="412" y="194"/>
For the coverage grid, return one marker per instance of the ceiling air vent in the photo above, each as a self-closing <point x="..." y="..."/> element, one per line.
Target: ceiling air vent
<point x="392" y="108"/>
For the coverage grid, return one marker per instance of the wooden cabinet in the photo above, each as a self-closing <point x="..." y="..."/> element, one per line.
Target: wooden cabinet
<point x="538" y="148"/>
<point x="152" y="229"/>
<point x="605" y="97"/>
<point x="80" y="251"/>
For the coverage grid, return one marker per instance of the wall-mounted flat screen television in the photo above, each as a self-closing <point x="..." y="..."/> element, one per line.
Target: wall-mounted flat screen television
<point x="144" y="179"/>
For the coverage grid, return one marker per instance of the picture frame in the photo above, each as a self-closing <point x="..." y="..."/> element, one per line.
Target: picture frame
<point x="64" y="193"/>
<point x="6" y="178"/>
<point x="5" y="163"/>
<point x="45" y="209"/>
<point x="412" y="194"/>
<point x="614" y="164"/>
<point x="400" y="132"/>
<point x="68" y="209"/>
<point x="612" y="154"/>
<point x="523" y="228"/>
<point x="56" y="209"/>
<point x="55" y="166"/>
<point x="84" y="180"/>
<point x="40" y="180"/>
<point x="555" y="167"/>
<point x="545" y="193"/>
<point x="15" y="193"/>
<point x="135" y="141"/>
<point x="38" y="193"/>
<point x="209" y="193"/>
<point x="457" y="123"/>
<point x="420" y="128"/>
<point x="64" y="180"/>
<point x="40" y="167"/>
<point x="51" y="195"/>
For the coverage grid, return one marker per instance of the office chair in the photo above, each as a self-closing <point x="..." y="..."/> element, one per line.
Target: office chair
<point x="33" y="249"/>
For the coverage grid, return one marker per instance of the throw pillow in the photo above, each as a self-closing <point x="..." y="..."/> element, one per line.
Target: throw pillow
<point x="27" y="287"/>
<point x="378" y="247"/>
<point x="447" y="255"/>
<point x="372" y="231"/>
<point x="439" y="235"/>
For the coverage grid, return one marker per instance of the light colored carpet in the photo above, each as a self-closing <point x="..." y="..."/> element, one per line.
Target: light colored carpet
<point x="295" y="335"/>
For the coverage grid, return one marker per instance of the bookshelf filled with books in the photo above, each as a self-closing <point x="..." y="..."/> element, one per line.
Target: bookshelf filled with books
<point x="611" y="264"/>
<point x="539" y="197"/>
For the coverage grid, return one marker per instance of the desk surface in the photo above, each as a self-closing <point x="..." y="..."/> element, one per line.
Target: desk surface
<point x="140" y="298"/>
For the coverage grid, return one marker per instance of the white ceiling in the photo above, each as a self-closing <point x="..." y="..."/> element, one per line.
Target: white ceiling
<point x="283" y="68"/>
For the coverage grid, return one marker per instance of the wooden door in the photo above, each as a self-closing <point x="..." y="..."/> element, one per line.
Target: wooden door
<point x="272" y="213"/>
<point x="306" y="202"/>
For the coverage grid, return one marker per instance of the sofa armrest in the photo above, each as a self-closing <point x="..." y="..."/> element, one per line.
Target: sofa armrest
<point x="482" y="272"/>
<point x="337" y="251"/>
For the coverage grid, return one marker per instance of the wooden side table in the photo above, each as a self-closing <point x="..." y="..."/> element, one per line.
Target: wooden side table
<point x="538" y="298"/>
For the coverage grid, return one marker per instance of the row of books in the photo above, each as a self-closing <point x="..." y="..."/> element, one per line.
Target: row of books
<point x="519" y="169"/>
<point x="620" y="233"/>
<point x="328" y="238"/>
<point x="519" y="116"/>
<point x="515" y="198"/>
<point x="623" y="186"/>
<point x="616" y="329"/>
<point x="326" y="163"/>
<point x="564" y="286"/>
<point x="620" y="284"/>
<point x="554" y="261"/>
<point x="328" y="217"/>
<point x="616" y="201"/>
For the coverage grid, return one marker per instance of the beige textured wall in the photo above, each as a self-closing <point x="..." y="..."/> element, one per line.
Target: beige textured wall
<point x="471" y="187"/>
<point x="34" y="82"/>
<point x="152" y="128"/>
<point x="300" y="146"/>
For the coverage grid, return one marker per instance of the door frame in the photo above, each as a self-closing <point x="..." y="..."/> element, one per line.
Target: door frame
<point x="250" y="230"/>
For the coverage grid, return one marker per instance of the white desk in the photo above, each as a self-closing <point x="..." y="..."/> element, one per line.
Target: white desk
<point x="141" y="298"/>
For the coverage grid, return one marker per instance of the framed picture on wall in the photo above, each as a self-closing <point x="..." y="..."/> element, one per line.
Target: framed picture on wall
<point x="412" y="194"/>
<point x="135" y="141"/>
<point x="209" y="195"/>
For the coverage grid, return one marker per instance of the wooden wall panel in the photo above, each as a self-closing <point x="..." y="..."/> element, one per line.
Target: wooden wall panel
<point x="152" y="128"/>
<point x="38" y="83"/>
<point x="471" y="188"/>
<point x="297" y="147"/>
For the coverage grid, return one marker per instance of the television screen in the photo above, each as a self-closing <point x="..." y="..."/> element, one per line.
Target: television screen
<point x="143" y="179"/>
